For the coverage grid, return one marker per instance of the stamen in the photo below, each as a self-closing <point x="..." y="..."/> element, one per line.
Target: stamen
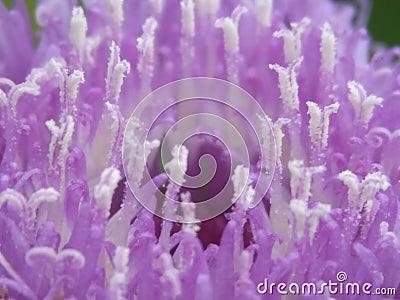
<point x="115" y="132"/>
<point x="319" y="123"/>
<point x="116" y="71"/>
<point x="301" y="178"/>
<point x="55" y="133"/>
<point x="359" y="193"/>
<point x="353" y="184"/>
<point x="243" y="192"/>
<point x="279" y="135"/>
<point x="78" y="30"/>
<point x="316" y="213"/>
<point x="363" y="105"/>
<point x="135" y="160"/>
<point x="17" y="91"/>
<point x="43" y="195"/>
<point x="292" y="39"/>
<point x="264" y="11"/>
<point x="13" y="196"/>
<point x="308" y="216"/>
<point x="229" y="25"/>
<point x="373" y="183"/>
<point x="266" y="142"/>
<point x="300" y="211"/>
<point x="176" y="169"/>
<point x="328" y="49"/>
<point x="61" y="138"/>
<point x="73" y="82"/>
<point x="38" y="255"/>
<point x="145" y="46"/>
<point x="189" y="215"/>
<point x="69" y="86"/>
<point x="288" y="85"/>
<point x="104" y="191"/>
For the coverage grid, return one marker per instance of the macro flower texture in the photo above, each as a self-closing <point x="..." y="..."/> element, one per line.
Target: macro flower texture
<point x="72" y="225"/>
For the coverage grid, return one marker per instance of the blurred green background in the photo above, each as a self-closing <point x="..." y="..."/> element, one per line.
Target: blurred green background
<point x="384" y="24"/>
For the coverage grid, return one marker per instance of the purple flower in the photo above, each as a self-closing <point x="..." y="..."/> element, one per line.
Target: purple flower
<point x="74" y="174"/>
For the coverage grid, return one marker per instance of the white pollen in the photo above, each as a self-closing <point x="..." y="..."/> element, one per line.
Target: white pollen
<point x="371" y="184"/>
<point x="135" y="160"/>
<point x="368" y="107"/>
<point x="68" y="130"/>
<point x="353" y="184"/>
<point x="177" y="167"/>
<point x="319" y="122"/>
<point x="73" y="82"/>
<point x="328" y="49"/>
<point x="40" y="252"/>
<point x="55" y="132"/>
<point x="266" y="142"/>
<point x="328" y="110"/>
<point x="306" y="216"/>
<point x="360" y="193"/>
<point x="363" y="105"/>
<point x="240" y="179"/>
<point x="104" y="190"/>
<point x="300" y="211"/>
<point x="229" y="25"/>
<point x="288" y="85"/>
<point x="264" y="10"/>
<point x="316" y="213"/>
<point x="78" y="30"/>
<point x="189" y="215"/>
<point x="279" y="135"/>
<point x="145" y="46"/>
<point x="301" y="179"/>
<point x="292" y="39"/>
<point x="116" y="70"/>
<point x="43" y="195"/>
<point x="13" y="196"/>
<point x="315" y="121"/>
<point x="23" y="88"/>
